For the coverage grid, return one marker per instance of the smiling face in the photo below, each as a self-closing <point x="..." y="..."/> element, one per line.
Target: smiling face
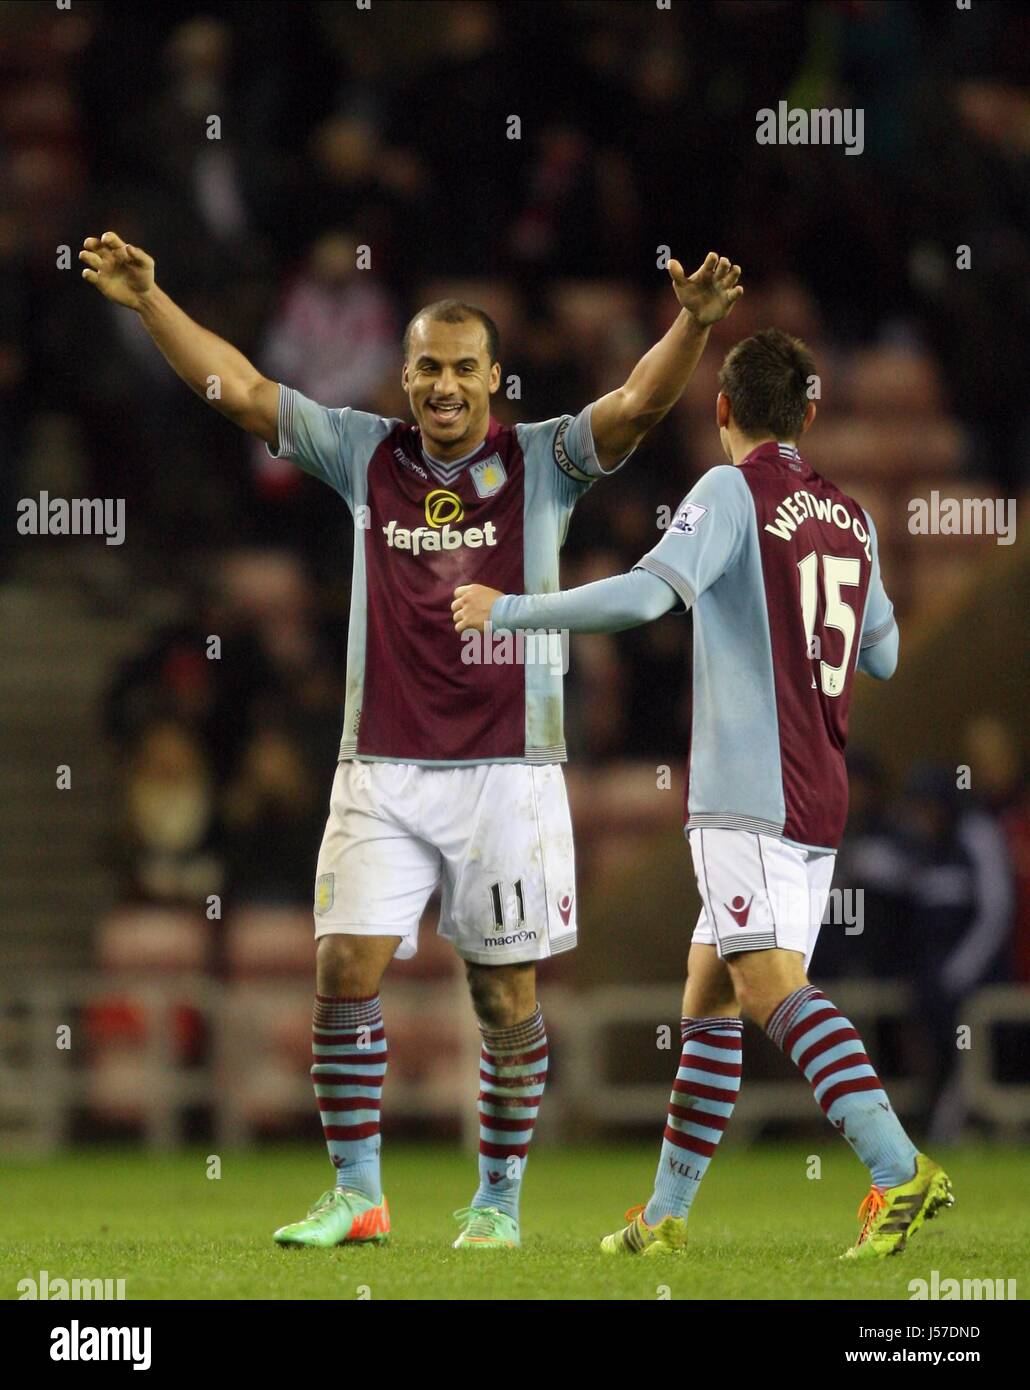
<point x="449" y="379"/>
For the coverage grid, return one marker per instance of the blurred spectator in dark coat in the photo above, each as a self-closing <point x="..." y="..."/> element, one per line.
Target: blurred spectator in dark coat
<point x="870" y="875"/>
<point x="169" y="831"/>
<point x="998" y="770"/>
<point x="961" y="897"/>
<point x="175" y="677"/>
<point x="335" y="337"/>
<point x="274" y="820"/>
<point x="353" y="178"/>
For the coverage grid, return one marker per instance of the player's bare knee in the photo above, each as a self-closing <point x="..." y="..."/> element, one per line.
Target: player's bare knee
<point x="709" y="991"/>
<point x="502" y="995"/>
<point x="346" y="968"/>
<point x="335" y="964"/>
<point x="709" y="1003"/>
<point x="763" y="979"/>
<point x="754" y="1003"/>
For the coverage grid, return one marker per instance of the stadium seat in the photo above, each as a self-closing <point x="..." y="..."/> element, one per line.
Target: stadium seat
<point x="891" y="381"/>
<point x="500" y="300"/>
<point x="270" y="941"/>
<point x="586" y="312"/>
<point x="894" y="449"/>
<point x="153" y="938"/>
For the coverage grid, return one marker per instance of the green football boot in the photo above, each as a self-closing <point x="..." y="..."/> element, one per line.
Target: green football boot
<point x="341" y="1216"/>
<point x="487" y="1228"/>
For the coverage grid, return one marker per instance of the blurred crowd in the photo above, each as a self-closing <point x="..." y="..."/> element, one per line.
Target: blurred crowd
<point x="392" y="128"/>
<point x="227" y="751"/>
<point x="941" y="874"/>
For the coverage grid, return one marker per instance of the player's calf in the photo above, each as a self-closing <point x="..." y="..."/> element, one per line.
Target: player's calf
<point x="827" y="1049"/>
<point x="907" y="1188"/>
<point x="513" y="1073"/>
<point x="702" y="1100"/>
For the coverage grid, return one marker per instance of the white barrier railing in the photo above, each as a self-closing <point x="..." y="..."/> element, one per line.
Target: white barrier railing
<point x="42" y="1084"/>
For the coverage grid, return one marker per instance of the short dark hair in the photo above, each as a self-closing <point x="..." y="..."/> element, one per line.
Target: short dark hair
<point x="456" y="311"/>
<point x="767" y="379"/>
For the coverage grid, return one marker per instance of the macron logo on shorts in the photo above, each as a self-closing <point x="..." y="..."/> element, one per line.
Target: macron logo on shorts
<point x="739" y="910"/>
<point x="565" y="907"/>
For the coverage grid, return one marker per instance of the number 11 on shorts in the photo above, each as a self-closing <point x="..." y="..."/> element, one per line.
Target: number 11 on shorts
<point x="498" y="901"/>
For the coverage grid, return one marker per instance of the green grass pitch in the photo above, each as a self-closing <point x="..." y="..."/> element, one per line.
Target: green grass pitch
<point x="760" y="1227"/>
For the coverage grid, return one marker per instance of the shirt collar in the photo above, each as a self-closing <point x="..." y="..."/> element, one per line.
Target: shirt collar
<point x="453" y="465"/>
<point x="777" y="451"/>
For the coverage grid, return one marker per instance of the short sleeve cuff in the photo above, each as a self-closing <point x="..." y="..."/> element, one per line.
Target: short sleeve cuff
<point x="576" y="439"/>
<point x="286" y="443"/>
<point x="675" y="581"/>
<point x="877" y="634"/>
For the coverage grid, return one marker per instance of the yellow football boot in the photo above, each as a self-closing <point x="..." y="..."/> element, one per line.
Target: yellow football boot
<point x="667" y="1238"/>
<point x="889" y="1217"/>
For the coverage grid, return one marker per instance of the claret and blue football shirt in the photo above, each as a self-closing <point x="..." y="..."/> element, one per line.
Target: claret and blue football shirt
<point x="421" y="528"/>
<point x="781" y="572"/>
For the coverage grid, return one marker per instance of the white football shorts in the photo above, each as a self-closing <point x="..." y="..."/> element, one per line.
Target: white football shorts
<point x="496" y="837"/>
<point x="758" y="892"/>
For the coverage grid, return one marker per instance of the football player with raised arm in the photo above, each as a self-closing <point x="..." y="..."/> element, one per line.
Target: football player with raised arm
<point x="780" y="570"/>
<point x="449" y="770"/>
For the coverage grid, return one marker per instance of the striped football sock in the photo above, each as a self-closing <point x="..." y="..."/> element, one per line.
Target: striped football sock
<point x="348" y="1054"/>
<point x="700" y="1106"/>
<point x="822" y="1043"/>
<point x="512" y="1073"/>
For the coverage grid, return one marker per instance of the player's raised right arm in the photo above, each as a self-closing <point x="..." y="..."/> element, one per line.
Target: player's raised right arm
<point x="125" y="275"/>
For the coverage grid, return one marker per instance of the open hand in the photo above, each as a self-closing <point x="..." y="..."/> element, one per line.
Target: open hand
<point x="123" y="274"/>
<point x="711" y="292"/>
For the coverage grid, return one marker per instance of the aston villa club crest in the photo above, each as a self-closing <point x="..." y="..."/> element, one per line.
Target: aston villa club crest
<point x="488" y="476"/>
<point x="325" y="892"/>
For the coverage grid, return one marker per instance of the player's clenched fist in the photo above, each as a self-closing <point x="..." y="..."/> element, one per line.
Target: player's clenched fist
<point x="123" y="273"/>
<point x="711" y="292"/>
<point x="471" y="606"/>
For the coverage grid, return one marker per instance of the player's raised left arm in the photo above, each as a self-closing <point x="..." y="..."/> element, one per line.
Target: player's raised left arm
<point x="620" y="419"/>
